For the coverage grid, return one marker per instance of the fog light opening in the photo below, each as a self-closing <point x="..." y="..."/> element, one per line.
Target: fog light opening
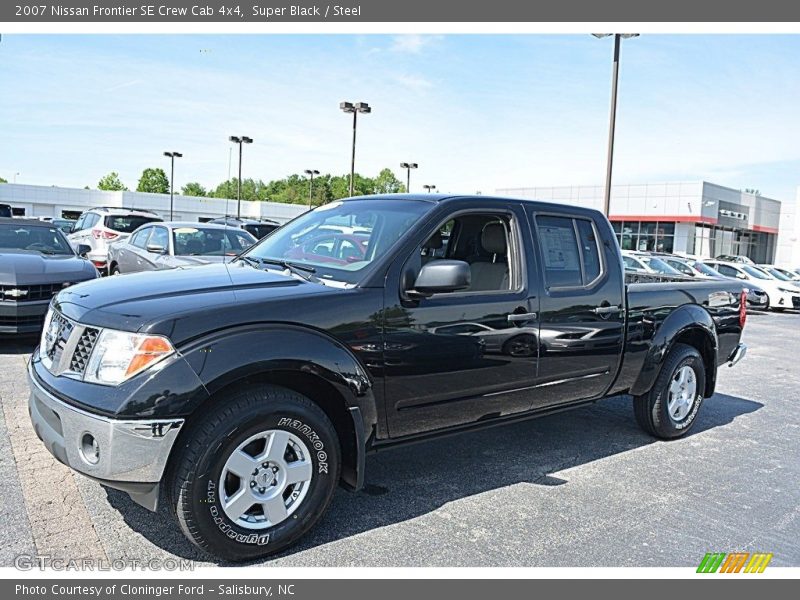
<point x="90" y="449"/>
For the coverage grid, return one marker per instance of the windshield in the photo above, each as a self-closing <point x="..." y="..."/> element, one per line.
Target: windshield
<point x="777" y="274"/>
<point x="127" y="224"/>
<point x="658" y="265"/>
<point x="47" y="240"/>
<point x="706" y="270"/>
<point x="342" y="238"/>
<point x="754" y="272"/>
<point x="199" y="241"/>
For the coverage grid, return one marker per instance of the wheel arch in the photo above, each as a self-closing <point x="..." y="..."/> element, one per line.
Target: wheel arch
<point x="306" y="361"/>
<point x="689" y="324"/>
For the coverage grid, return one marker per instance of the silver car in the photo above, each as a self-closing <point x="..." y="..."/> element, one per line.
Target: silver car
<point x="101" y="226"/>
<point x="170" y="245"/>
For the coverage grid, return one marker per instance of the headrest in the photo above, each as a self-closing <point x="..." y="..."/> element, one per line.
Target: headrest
<point x="435" y="241"/>
<point x="493" y="238"/>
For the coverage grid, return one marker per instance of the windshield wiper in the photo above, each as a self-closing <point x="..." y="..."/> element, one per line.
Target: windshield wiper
<point x="304" y="271"/>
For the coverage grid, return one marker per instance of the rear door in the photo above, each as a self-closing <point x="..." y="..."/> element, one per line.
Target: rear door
<point x="582" y="307"/>
<point x="133" y="258"/>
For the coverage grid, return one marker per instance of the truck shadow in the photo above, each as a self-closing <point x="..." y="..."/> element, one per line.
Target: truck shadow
<point x="414" y="480"/>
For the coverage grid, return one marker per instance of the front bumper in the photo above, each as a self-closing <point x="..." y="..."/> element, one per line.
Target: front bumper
<point x="131" y="455"/>
<point x="22" y="317"/>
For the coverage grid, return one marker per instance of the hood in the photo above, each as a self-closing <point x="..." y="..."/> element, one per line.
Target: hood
<point x="131" y="302"/>
<point x="32" y="268"/>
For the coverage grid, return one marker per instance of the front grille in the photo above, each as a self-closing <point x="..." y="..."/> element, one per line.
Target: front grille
<point x="83" y="350"/>
<point x="796" y="301"/>
<point x="60" y="329"/>
<point x="22" y="321"/>
<point x="29" y="293"/>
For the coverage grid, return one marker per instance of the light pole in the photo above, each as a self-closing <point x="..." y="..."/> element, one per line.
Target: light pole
<point x="240" y="140"/>
<point x="355" y="108"/>
<point x="430" y="188"/>
<point x="408" y="167"/>
<point x="613" y="116"/>
<point x="15" y="177"/>
<point x="172" y="156"/>
<point x="310" y="173"/>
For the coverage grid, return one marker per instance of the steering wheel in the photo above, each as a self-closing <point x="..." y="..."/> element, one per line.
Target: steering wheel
<point x="38" y="246"/>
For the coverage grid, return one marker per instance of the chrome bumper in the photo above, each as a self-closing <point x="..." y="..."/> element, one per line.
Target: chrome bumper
<point x="128" y="455"/>
<point x="737" y="354"/>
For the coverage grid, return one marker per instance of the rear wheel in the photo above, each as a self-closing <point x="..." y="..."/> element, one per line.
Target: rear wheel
<point x="670" y="408"/>
<point x="256" y="474"/>
<point x="115" y="270"/>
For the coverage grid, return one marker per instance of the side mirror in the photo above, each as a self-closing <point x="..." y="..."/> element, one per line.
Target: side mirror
<point x="156" y="249"/>
<point x="84" y="249"/>
<point x="441" y="277"/>
<point x="741" y="276"/>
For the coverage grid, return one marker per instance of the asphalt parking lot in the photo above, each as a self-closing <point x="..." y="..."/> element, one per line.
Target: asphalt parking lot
<point x="583" y="488"/>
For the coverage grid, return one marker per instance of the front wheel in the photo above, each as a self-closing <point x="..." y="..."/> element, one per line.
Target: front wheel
<point x="256" y="474"/>
<point x="670" y="408"/>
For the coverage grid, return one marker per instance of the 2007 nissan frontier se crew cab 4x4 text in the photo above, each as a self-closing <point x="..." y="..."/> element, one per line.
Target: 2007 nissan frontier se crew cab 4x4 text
<point x="243" y="393"/>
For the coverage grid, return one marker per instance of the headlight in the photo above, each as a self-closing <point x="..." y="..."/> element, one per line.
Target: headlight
<point x="119" y="355"/>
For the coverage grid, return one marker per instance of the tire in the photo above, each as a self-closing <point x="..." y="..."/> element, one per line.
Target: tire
<point x="115" y="270"/>
<point x="197" y="488"/>
<point x="652" y="410"/>
<point x="520" y="345"/>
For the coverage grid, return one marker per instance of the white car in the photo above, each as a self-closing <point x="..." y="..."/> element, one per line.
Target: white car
<point x="782" y="294"/>
<point x="783" y="274"/>
<point x="645" y="263"/>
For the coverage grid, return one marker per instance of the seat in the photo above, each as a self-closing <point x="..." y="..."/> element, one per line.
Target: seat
<point x="490" y="276"/>
<point x="194" y="247"/>
<point x="434" y="243"/>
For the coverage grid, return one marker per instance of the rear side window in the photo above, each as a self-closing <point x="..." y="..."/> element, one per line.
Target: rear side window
<point x="590" y="251"/>
<point x="127" y="224"/>
<point x="90" y="220"/>
<point x="570" y="250"/>
<point x="139" y="238"/>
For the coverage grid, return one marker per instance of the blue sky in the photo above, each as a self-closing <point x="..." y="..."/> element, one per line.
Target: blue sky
<point x="477" y="112"/>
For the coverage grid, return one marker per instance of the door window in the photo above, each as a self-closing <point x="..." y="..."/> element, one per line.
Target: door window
<point x="139" y="238"/>
<point x="483" y="241"/>
<point x="570" y="250"/>
<point x="159" y="237"/>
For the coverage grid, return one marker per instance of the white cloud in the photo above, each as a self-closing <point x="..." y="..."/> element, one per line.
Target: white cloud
<point x="412" y="43"/>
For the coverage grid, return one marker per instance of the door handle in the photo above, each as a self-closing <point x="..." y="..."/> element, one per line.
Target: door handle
<point x="606" y="310"/>
<point x="517" y="317"/>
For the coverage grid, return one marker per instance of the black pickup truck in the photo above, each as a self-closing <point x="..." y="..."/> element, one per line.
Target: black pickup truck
<point x="244" y="393"/>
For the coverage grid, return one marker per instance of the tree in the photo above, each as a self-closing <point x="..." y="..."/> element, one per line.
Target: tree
<point x="193" y="189"/>
<point x="3" y="180"/>
<point x="153" y="181"/>
<point x="111" y="183"/>
<point x="251" y="189"/>
<point x="387" y="183"/>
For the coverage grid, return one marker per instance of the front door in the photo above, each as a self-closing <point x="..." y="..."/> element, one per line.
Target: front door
<point x="456" y="358"/>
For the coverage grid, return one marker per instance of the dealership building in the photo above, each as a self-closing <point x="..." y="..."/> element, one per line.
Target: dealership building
<point x="43" y="201"/>
<point x="696" y="217"/>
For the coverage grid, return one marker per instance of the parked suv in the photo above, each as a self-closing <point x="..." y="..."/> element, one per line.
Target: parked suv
<point x="256" y="228"/>
<point x="98" y="227"/>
